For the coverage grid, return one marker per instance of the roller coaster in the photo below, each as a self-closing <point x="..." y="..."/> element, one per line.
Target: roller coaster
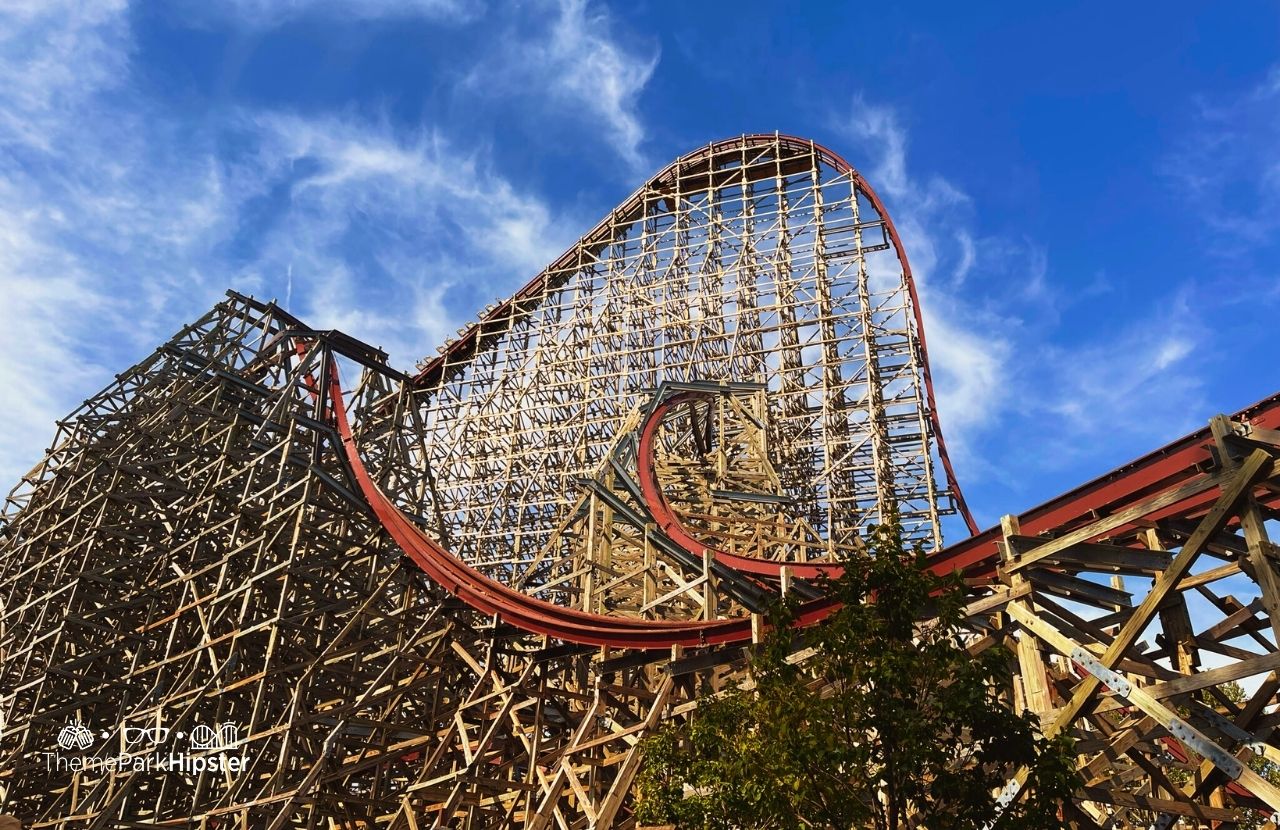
<point x="461" y="596"/>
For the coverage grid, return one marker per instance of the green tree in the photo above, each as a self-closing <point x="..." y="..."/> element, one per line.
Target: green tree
<point x="888" y="719"/>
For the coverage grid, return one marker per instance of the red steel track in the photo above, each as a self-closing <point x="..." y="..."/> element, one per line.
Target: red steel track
<point x="977" y="556"/>
<point x="1166" y="468"/>
<point x="519" y="609"/>
<point x="472" y="340"/>
<point x="656" y="502"/>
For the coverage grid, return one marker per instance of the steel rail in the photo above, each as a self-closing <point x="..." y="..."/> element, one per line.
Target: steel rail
<point x="1158" y="471"/>
<point x="490" y="325"/>
<point x="655" y="500"/>
<point x="518" y="608"/>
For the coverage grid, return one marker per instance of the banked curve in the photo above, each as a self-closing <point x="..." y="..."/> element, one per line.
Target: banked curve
<point x="519" y="609"/>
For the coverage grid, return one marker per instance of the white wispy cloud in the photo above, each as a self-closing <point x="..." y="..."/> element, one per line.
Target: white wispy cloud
<point x="266" y="14"/>
<point x="54" y="55"/>
<point x="432" y="218"/>
<point x="120" y="220"/>
<point x="579" y="66"/>
<point x="1007" y="371"/>
<point x="45" y="353"/>
<point x="53" y="58"/>
<point x="1141" y="385"/>
<point x="877" y="129"/>
<point x="1226" y="168"/>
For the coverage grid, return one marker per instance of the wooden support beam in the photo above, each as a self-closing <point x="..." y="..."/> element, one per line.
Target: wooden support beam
<point x="1032" y="679"/>
<point x="1234" y="488"/>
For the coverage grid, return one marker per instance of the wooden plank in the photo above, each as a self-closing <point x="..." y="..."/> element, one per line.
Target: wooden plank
<point x="1099" y="556"/>
<point x="1232" y="491"/>
<point x="1102" y="526"/>
<point x="1208" y="677"/>
<point x="1160" y="805"/>
<point x="1032" y="676"/>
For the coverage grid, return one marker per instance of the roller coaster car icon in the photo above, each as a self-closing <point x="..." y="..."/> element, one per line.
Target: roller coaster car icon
<point x="75" y="736"/>
<point x="206" y="737"/>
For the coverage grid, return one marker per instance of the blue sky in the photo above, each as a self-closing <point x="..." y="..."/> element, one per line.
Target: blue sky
<point x="1089" y="196"/>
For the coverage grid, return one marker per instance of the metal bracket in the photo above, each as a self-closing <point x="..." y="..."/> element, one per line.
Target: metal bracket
<point x="1110" y="679"/>
<point x="1177" y="727"/>
<point x="1229" y="764"/>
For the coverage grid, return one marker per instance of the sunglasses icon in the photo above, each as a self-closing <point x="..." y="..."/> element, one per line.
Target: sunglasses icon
<point x="149" y="734"/>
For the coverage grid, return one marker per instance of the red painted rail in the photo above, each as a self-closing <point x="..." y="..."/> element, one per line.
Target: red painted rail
<point x="1170" y="466"/>
<point x="977" y="556"/>
<point x="519" y="609"/>
<point x="472" y="340"/>
<point x="656" y="502"/>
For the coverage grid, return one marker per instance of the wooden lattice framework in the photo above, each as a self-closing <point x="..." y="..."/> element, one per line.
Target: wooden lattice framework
<point x="461" y="597"/>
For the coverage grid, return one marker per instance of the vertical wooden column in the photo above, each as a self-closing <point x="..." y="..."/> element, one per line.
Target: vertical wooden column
<point x="1175" y="621"/>
<point x="588" y="578"/>
<point x="1032" y="679"/>
<point x="1262" y="554"/>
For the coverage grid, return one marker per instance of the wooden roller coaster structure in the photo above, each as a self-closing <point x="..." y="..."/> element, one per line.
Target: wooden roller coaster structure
<point x="266" y="580"/>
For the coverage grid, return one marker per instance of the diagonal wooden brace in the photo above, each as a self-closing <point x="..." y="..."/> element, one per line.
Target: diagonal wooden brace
<point x="1233" y="490"/>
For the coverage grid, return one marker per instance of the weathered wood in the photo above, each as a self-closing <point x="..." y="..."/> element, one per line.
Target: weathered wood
<point x="1032" y="678"/>
<point x="194" y="549"/>
<point x="1233" y="489"/>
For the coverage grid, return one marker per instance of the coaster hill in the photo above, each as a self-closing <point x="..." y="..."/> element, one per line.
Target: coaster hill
<point x="461" y="596"/>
